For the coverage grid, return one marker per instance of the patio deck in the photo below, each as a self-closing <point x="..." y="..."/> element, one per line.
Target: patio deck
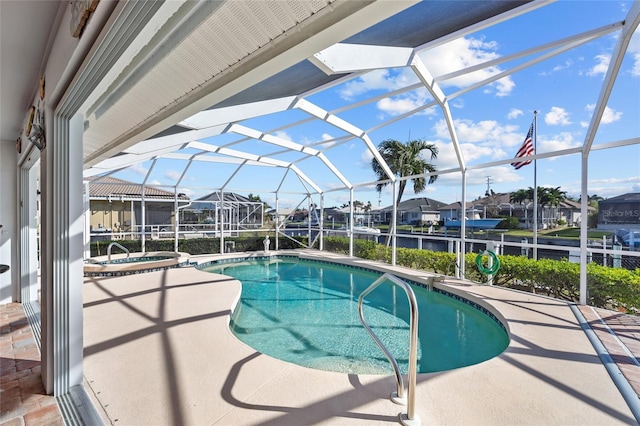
<point x="158" y="351"/>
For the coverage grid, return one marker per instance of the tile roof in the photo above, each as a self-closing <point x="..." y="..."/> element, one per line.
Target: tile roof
<point x="109" y="186"/>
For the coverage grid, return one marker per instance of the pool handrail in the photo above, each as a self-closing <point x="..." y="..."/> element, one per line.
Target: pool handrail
<point x="117" y="245"/>
<point x="410" y="418"/>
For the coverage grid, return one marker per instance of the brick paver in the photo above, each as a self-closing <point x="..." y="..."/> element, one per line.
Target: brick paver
<point x="23" y="400"/>
<point x="620" y="335"/>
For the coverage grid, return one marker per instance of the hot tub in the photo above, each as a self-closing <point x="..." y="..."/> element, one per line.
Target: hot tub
<point x="135" y="263"/>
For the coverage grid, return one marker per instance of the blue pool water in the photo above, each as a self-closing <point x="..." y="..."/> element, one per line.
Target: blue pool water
<point x="306" y="313"/>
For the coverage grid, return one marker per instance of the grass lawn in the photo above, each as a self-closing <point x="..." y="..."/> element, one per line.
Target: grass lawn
<point x="562" y="233"/>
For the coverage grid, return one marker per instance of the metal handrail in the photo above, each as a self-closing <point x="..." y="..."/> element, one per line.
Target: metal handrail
<point x="117" y="245"/>
<point x="410" y="418"/>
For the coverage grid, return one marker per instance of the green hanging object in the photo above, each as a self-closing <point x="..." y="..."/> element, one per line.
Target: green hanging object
<point x="488" y="270"/>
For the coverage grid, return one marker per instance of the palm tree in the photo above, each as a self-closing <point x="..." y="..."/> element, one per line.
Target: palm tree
<point x="406" y="159"/>
<point x="521" y="196"/>
<point x="556" y="196"/>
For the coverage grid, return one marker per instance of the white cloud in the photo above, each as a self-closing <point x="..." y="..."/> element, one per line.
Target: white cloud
<point x="634" y="50"/>
<point x="188" y="192"/>
<point x="283" y="135"/>
<point x="498" y="175"/>
<point x="405" y="103"/>
<point x="567" y="64"/>
<point x="557" y="116"/>
<point x="455" y="55"/>
<point x="601" y="66"/>
<point x="608" y="116"/>
<point x="138" y="169"/>
<point x="558" y="142"/>
<point x="486" y="132"/>
<point x="172" y="175"/>
<point x="375" y="80"/>
<point x="366" y="157"/>
<point x="463" y="53"/>
<point x="330" y="141"/>
<point x="606" y="187"/>
<point x="514" y="113"/>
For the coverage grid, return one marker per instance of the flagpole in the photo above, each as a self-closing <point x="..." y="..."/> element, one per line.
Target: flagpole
<point x="535" y="186"/>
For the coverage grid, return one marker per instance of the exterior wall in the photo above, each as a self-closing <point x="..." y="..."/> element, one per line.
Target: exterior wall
<point x="619" y="215"/>
<point x="115" y="215"/>
<point x="413" y="217"/>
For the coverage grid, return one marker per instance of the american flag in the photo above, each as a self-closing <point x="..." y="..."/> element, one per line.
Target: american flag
<point x="525" y="150"/>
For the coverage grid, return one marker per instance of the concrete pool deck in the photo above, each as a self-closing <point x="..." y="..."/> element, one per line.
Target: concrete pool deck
<point x="158" y="351"/>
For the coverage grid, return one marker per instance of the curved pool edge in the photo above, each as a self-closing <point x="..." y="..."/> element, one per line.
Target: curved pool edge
<point x="93" y="267"/>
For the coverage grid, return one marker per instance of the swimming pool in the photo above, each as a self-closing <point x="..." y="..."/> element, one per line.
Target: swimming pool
<point x="306" y="312"/>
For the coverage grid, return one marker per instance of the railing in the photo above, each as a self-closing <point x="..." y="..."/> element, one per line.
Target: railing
<point x="410" y="418"/>
<point x="117" y="245"/>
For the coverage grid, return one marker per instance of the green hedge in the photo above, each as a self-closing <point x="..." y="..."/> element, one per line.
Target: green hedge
<point x="197" y="245"/>
<point x="611" y="288"/>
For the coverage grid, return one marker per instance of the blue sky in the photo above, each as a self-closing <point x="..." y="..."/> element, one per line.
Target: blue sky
<point x="491" y="121"/>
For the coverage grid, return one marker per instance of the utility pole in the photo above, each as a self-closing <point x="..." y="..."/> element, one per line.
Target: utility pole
<point x="488" y="195"/>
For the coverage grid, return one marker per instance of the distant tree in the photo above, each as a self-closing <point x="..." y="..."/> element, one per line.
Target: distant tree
<point x="547" y="197"/>
<point x="521" y="196"/>
<point x="257" y="199"/>
<point x="592" y="216"/>
<point x="555" y="197"/>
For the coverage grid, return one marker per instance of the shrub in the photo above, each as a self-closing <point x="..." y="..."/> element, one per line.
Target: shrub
<point x="509" y="223"/>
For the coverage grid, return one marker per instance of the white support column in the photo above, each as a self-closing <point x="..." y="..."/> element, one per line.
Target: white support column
<point x="143" y="217"/>
<point x="87" y="220"/>
<point x="309" y="239"/>
<point x="351" y="222"/>
<point x="277" y="220"/>
<point x="143" y="208"/>
<point x="62" y="254"/>
<point x="463" y="227"/>
<point x="176" y="219"/>
<point x="394" y="220"/>
<point x="221" y="222"/>
<point x="583" y="230"/>
<point x="321" y="223"/>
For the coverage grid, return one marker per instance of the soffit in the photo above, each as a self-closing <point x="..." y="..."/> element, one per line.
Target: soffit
<point x="25" y="28"/>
